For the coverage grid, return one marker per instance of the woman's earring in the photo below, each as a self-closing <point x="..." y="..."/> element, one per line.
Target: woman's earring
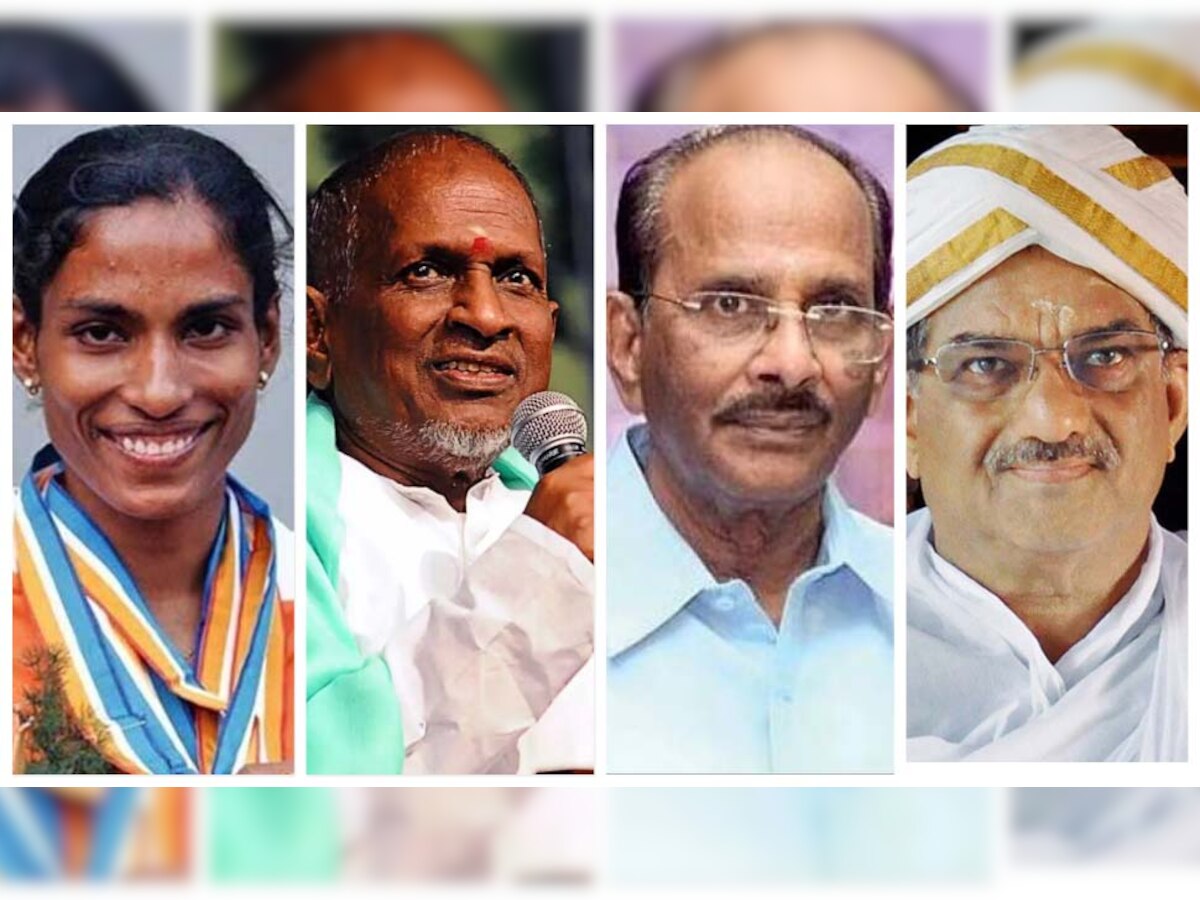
<point x="32" y="387"/>
<point x="263" y="378"/>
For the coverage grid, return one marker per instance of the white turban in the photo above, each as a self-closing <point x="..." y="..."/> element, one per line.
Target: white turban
<point x="1117" y="66"/>
<point x="1084" y="192"/>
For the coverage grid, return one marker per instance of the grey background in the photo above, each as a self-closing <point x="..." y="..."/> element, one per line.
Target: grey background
<point x="265" y="463"/>
<point x="155" y="53"/>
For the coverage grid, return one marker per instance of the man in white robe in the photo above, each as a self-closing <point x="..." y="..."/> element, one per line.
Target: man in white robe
<point x="1047" y="362"/>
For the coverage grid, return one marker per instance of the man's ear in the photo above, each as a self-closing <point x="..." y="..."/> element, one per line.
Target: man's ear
<point x="270" y="343"/>
<point x="1177" y="395"/>
<point x="25" y="365"/>
<point x="320" y="362"/>
<point x="912" y="459"/>
<point x="625" y="349"/>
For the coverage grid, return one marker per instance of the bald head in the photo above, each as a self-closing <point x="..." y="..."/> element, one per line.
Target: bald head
<point x="378" y="72"/>
<point x="815" y="68"/>
<point x="356" y="205"/>
<point x="643" y="227"/>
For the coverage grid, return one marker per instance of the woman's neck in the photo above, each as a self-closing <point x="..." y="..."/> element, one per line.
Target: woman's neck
<point x="167" y="558"/>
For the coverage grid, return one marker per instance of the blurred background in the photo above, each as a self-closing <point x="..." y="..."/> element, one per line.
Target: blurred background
<point x="514" y="836"/>
<point x="823" y="61"/>
<point x="865" y="473"/>
<point x="1143" y="64"/>
<point x="101" y="65"/>
<point x="646" y="838"/>
<point x="557" y="161"/>
<point x="681" y="837"/>
<point x="1168" y="144"/>
<point x="640" y="836"/>
<point x="1106" y="827"/>
<point x="96" y="834"/>
<point x="804" y="65"/>
<point x="459" y="67"/>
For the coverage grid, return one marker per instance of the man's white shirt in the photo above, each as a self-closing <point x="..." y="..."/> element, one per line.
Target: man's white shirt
<point x="484" y="617"/>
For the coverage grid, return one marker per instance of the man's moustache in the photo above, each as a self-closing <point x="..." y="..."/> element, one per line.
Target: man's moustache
<point x="1099" y="450"/>
<point x="467" y="345"/>
<point x="803" y="400"/>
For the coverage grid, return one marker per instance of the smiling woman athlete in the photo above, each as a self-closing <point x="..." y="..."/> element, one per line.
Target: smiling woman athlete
<point x="151" y="632"/>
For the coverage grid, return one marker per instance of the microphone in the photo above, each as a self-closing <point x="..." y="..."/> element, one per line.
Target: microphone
<point x="548" y="428"/>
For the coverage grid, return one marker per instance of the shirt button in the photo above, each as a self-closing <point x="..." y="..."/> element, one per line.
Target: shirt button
<point x="724" y="604"/>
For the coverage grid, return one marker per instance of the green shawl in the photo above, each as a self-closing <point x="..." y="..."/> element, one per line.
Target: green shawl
<point x="354" y="724"/>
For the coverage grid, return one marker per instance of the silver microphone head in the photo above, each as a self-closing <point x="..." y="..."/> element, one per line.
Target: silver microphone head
<point x="548" y="424"/>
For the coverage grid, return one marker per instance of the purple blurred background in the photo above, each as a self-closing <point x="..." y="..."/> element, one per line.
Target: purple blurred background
<point x="865" y="473"/>
<point x="958" y="47"/>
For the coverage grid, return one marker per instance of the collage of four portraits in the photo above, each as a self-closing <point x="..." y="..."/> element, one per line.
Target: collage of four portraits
<point x="398" y="467"/>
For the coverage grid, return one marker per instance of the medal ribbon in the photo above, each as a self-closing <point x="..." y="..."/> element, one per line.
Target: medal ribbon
<point x="158" y="715"/>
<point x="34" y="840"/>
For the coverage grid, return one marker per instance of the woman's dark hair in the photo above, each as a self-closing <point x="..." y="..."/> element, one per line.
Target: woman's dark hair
<point x="38" y="61"/>
<point x="118" y="166"/>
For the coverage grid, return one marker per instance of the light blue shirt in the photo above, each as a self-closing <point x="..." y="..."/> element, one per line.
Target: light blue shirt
<point x="740" y="837"/>
<point x="700" y="679"/>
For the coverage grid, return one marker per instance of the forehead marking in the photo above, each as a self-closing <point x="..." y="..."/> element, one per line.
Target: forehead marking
<point x="481" y="246"/>
<point x="1047" y="308"/>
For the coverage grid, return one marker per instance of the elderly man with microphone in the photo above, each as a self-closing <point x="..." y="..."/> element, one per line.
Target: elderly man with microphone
<point x="450" y="588"/>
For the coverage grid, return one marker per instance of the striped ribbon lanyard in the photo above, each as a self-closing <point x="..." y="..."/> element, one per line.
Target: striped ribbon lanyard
<point x="33" y="839"/>
<point x="155" y="713"/>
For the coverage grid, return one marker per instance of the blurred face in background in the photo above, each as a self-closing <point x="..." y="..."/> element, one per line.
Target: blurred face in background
<point x="385" y="71"/>
<point x="44" y="69"/>
<point x="814" y="69"/>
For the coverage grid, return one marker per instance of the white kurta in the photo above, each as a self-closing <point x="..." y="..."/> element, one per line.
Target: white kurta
<point x="980" y="687"/>
<point x="483" y="617"/>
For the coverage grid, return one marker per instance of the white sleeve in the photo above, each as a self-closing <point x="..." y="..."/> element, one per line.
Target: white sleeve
<point x="564" y="738"/>
<point x="491" y="659"/>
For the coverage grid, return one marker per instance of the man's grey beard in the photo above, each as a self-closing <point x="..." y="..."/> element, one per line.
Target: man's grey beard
<point x="457" y="443"/>
<point x="444" y="443"/>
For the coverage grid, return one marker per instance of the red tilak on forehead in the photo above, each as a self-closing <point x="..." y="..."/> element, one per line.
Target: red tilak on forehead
<point x="481" y="246"/>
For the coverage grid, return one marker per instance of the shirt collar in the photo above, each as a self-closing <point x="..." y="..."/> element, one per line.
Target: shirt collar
<point x="487" y="489"/>
<point x="857" y="542"/>
<point x="654" y="572"/>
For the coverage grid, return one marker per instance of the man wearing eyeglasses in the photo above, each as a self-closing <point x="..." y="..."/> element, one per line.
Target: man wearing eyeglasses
<point x="1047" y="391"/>
<point x="749" y="608"/>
